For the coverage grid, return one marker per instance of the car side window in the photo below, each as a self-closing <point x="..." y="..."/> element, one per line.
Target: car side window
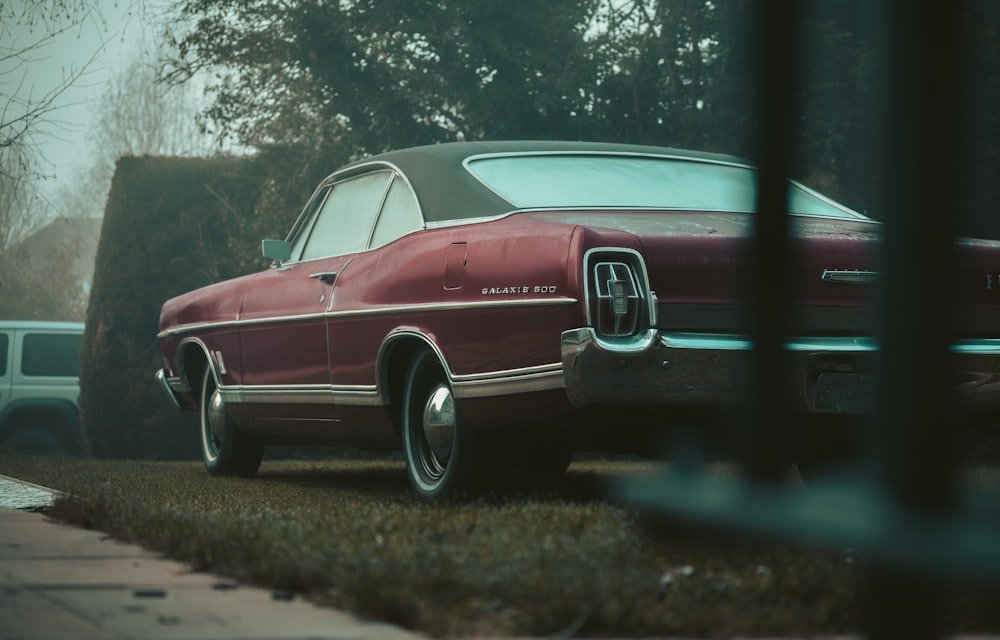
<point x="305" y="221"/>
<point x="51" y="354"/>
<point x="344" y="222"/>
<point x="400" y="215"/>
<point x="4" y="353"/>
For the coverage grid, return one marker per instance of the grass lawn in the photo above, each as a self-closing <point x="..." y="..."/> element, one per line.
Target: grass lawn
<point x="350" y="534"/>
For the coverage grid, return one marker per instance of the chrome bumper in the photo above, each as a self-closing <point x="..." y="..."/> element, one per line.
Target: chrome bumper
<point x="173" y="387"/>
<point x="695" y="369"/>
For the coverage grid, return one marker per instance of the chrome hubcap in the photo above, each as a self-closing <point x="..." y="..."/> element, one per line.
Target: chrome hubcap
<point x="439" y="422"/>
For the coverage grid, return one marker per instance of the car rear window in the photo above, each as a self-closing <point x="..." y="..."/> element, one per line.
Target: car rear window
<point x="51" y="354"/>
<point x="612" y="181"/>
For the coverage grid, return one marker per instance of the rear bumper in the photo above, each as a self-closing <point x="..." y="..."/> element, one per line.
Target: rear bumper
<point x="833" y="374"/>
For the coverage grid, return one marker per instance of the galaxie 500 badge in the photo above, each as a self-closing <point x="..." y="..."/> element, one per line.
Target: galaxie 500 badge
<point x="502" y="291"/>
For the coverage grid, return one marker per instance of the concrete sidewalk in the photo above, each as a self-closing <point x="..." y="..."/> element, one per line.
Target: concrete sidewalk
<point x="60" y="582"/>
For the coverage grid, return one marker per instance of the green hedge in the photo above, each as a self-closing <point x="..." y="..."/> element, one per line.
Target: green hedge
<point x="170" y="225"/>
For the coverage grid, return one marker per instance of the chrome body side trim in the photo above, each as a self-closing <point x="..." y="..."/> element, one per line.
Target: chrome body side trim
<point x="513" y="381"/>
<point x="361" y="396"/>
<point x="849" y="276"/>
<point x="385" y="310"/>
<point x="498" y="383"/>
<point x="457" y="306"/>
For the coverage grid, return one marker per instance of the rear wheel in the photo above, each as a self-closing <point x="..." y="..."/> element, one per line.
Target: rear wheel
<point x="225" y="448"/>
<point x="443" y="456"/>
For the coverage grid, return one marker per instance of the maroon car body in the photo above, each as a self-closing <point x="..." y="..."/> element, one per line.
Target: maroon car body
<point x="485" y="306"/>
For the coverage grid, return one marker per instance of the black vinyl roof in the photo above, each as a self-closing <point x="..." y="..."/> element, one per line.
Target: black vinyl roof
<point x="447" y="191"/>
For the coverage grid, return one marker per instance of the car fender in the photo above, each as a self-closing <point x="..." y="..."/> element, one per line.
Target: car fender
<point x="410" y="339"/>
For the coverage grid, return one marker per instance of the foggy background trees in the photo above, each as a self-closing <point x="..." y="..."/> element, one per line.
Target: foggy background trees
<point x="271" y="96"/>
<point x="305" y="85"/>
<point x="49" y="222"/>
<point x="336" y="80"/>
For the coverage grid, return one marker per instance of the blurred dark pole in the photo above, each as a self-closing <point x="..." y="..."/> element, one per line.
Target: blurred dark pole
<point x="925" y="147"/>
<point x="917" y="429"/>
<point x="775" y="43"/>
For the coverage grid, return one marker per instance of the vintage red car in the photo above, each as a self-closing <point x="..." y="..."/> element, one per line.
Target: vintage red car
<point x="493" y="306"/>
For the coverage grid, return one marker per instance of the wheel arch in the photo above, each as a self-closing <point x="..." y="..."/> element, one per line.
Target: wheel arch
<point x="192" y="356"/>
<point x="58" y="416"/>
<point x="398" y="350"/>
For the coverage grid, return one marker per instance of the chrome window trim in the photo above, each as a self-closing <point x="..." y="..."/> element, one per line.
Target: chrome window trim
<point x="458" y="222"/>
<point x="850" y="214"/>
<point x="310" y="225"/>
<point x="607" y="154"/>
<point x="303" y="226"/>
<point x="832" y="203"/>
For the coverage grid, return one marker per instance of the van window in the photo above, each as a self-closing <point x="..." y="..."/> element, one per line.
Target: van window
<point x="51" y="354"/>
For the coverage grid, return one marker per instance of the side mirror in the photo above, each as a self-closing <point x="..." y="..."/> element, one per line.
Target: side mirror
<point x="276" y="250"/>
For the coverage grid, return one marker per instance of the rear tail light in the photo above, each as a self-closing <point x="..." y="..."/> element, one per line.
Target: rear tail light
<point x="619" y="296"/>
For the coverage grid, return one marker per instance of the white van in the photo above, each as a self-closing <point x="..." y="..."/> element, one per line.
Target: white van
<point x="40" y="387"/>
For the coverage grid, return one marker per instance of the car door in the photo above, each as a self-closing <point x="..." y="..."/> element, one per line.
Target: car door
<point x="354" y="338"/>
<point x="283" y="322"/>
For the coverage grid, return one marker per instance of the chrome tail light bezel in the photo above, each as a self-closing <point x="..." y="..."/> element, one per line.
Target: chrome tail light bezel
<point x="608" y="270"/>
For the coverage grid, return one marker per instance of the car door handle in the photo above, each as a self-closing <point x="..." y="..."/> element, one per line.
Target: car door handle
<point x="326" y="276"/>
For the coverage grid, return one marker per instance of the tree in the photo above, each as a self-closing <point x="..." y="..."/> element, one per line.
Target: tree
<point x="17" y="202"/>
<point x="136" y="115"/>
<point x="662" y="63"/>
<point x="338" y="80"/>
<point x="363" y="76"/>
<point x="26" y="30"/>
<point x="312" y="84"/>
<point x="33" y="257"/>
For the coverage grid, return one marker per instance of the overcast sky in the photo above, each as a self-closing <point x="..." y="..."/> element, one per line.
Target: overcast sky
<point x="102" y="44"/>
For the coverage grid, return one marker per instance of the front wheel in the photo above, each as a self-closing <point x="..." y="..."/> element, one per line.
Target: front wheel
<point x="225" y="448"/>
<point x="443" y="456"/>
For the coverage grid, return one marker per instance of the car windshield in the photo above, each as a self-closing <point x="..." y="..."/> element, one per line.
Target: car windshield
<point x="620" y="181"/>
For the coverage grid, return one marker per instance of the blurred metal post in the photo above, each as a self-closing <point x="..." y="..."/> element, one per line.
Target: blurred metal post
<point x="912" y="527"/>
<point x="917" y="429"/>
<point x="776" y="47"/>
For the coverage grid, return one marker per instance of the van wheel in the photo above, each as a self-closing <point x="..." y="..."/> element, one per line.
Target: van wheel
<point x="36" y="441"/>
<point x="225" y="448"/>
